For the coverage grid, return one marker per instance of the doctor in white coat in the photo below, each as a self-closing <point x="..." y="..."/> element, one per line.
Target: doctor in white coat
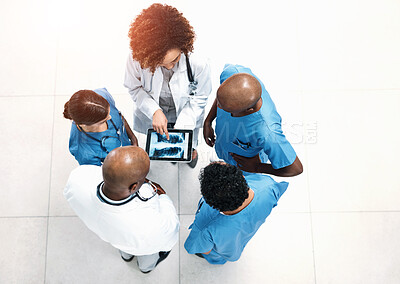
<point x="170" y="88"/>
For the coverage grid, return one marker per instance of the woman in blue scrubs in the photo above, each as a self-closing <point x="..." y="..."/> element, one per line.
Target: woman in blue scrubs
<point x="97" y="126"/>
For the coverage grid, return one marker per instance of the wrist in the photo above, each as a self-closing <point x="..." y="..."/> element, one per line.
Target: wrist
<point x="157" y="110"/>
<point x="208" y="121"/>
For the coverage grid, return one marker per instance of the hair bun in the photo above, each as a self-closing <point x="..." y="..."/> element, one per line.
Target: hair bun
<point x="66" y="111"/>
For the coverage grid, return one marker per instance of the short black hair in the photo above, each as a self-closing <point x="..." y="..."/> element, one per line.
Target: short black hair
<point x="223" y="186"/>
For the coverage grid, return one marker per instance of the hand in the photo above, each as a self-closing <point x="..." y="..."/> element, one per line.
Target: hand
<point x="159" y="190"/>
<point x="208" y="133"/>
<point x="160" y="123"/>
<point x="248" y="164"/>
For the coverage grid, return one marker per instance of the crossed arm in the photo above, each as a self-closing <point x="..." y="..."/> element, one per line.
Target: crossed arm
<point x="254" y="165"/>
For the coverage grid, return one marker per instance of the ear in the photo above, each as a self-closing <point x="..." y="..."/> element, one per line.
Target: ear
<point x="132" y="187"/>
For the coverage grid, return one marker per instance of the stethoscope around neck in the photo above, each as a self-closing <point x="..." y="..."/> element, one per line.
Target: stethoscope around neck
<point x="192" y="82"/>
<point x="103" y="140"/>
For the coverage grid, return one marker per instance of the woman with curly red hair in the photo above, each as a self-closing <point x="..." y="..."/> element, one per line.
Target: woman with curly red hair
<point x="170" y="91"/>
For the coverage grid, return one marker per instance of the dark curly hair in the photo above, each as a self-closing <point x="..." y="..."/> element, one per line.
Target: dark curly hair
<point x="155" y="31"/>
<point x="86" y="107"/>
<point x="223" y="186"/>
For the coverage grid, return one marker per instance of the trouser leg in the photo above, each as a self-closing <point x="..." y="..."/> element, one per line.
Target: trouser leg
<point x="147" y="262"/>
<point x="125" y="256"/>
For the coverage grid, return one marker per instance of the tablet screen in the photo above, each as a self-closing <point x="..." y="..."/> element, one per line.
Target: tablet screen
<point x="177" y="148"/>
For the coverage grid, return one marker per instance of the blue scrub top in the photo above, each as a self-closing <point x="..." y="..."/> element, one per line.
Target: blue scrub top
<point x="88" y="151"/>
<point x="227" y="235"/>
<point x="256" y="133"/>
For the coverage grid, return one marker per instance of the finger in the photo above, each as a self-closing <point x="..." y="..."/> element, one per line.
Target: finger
<point x="160" y="130"/>
<point x="157" y="129"/>
<point x="166" y="133"/>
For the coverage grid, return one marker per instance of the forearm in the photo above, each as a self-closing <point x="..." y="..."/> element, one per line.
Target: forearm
<point x="129" y="132"/>
<point x="294" y="169"/>
<point x="212" y="113"/>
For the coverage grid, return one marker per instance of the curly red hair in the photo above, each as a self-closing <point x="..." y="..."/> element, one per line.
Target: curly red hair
<point x="155" y="31"/>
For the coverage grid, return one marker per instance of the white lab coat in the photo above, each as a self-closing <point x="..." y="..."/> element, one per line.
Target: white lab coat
<point x="137" y="227"/>
<point x="145" y="87"/>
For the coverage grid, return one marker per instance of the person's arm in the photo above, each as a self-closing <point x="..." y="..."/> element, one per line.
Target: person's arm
<point x="144" y="101"/>
<point x="129" y="132"/>
<point x="254" y="165"/>
<point x="207" y="252"/>
<point x="160" y="123"/>
<point x="208" y="131"/>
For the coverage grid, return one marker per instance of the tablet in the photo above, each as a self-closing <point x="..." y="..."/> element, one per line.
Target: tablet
<point x="178" y="148"/>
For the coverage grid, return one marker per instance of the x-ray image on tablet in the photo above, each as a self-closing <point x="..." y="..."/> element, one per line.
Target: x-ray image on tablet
<point x="177" y="148"/>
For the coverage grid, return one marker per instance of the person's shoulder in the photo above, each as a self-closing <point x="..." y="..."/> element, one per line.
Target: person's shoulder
<point x="232" y="69"/>
<point x="261" y="183"/>
<point x="105" y="94"/>
<point x="135" y="65"/>
<point x="83" y="178"/>
<point x="258" y="180"/>
<point x="269" y="112"/>
<point x="206" y="217"/>
<point x="197" y="62"/>
<point x="85" y="171"/>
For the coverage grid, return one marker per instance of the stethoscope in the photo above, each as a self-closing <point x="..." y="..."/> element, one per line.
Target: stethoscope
<point x="104" y="138"/>
<point x="129" y="198"/>
<point x="192" y="82"/>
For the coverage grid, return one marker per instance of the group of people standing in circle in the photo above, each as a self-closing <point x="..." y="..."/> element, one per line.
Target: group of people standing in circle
<point x="170" y="87"/>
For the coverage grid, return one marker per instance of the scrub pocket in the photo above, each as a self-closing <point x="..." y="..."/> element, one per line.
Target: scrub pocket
<point x="243" y="148"/>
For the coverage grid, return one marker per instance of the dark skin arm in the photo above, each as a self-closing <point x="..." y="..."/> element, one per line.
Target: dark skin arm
<point x="129" y="131"/>
<point x="254" y="165"/>
<point x="208" y="131"/>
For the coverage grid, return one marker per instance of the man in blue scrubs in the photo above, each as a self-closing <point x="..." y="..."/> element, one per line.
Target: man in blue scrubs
<point x="248" y="127"/>
<point x="232" y="209"/>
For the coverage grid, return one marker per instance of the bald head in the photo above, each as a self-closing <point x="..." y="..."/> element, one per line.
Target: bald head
<point x="125" y="166"/>
<point x="239" y="93"/>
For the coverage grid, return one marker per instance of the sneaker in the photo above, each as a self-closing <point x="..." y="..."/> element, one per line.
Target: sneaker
<point x="127" y="260"/>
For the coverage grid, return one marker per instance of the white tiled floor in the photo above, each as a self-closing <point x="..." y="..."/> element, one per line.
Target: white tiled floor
<point x="332" y="69"/>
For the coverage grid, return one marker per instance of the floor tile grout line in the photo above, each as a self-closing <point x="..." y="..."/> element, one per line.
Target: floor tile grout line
<point x="309" y="201"/>
<point x="179" y="236"/>
<point x="51" y="159"/>
<point x="310" y="91"/>
<point x="306" y="165"/>
<point x="25" y="96"/>
<point x="192" y="214"/>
